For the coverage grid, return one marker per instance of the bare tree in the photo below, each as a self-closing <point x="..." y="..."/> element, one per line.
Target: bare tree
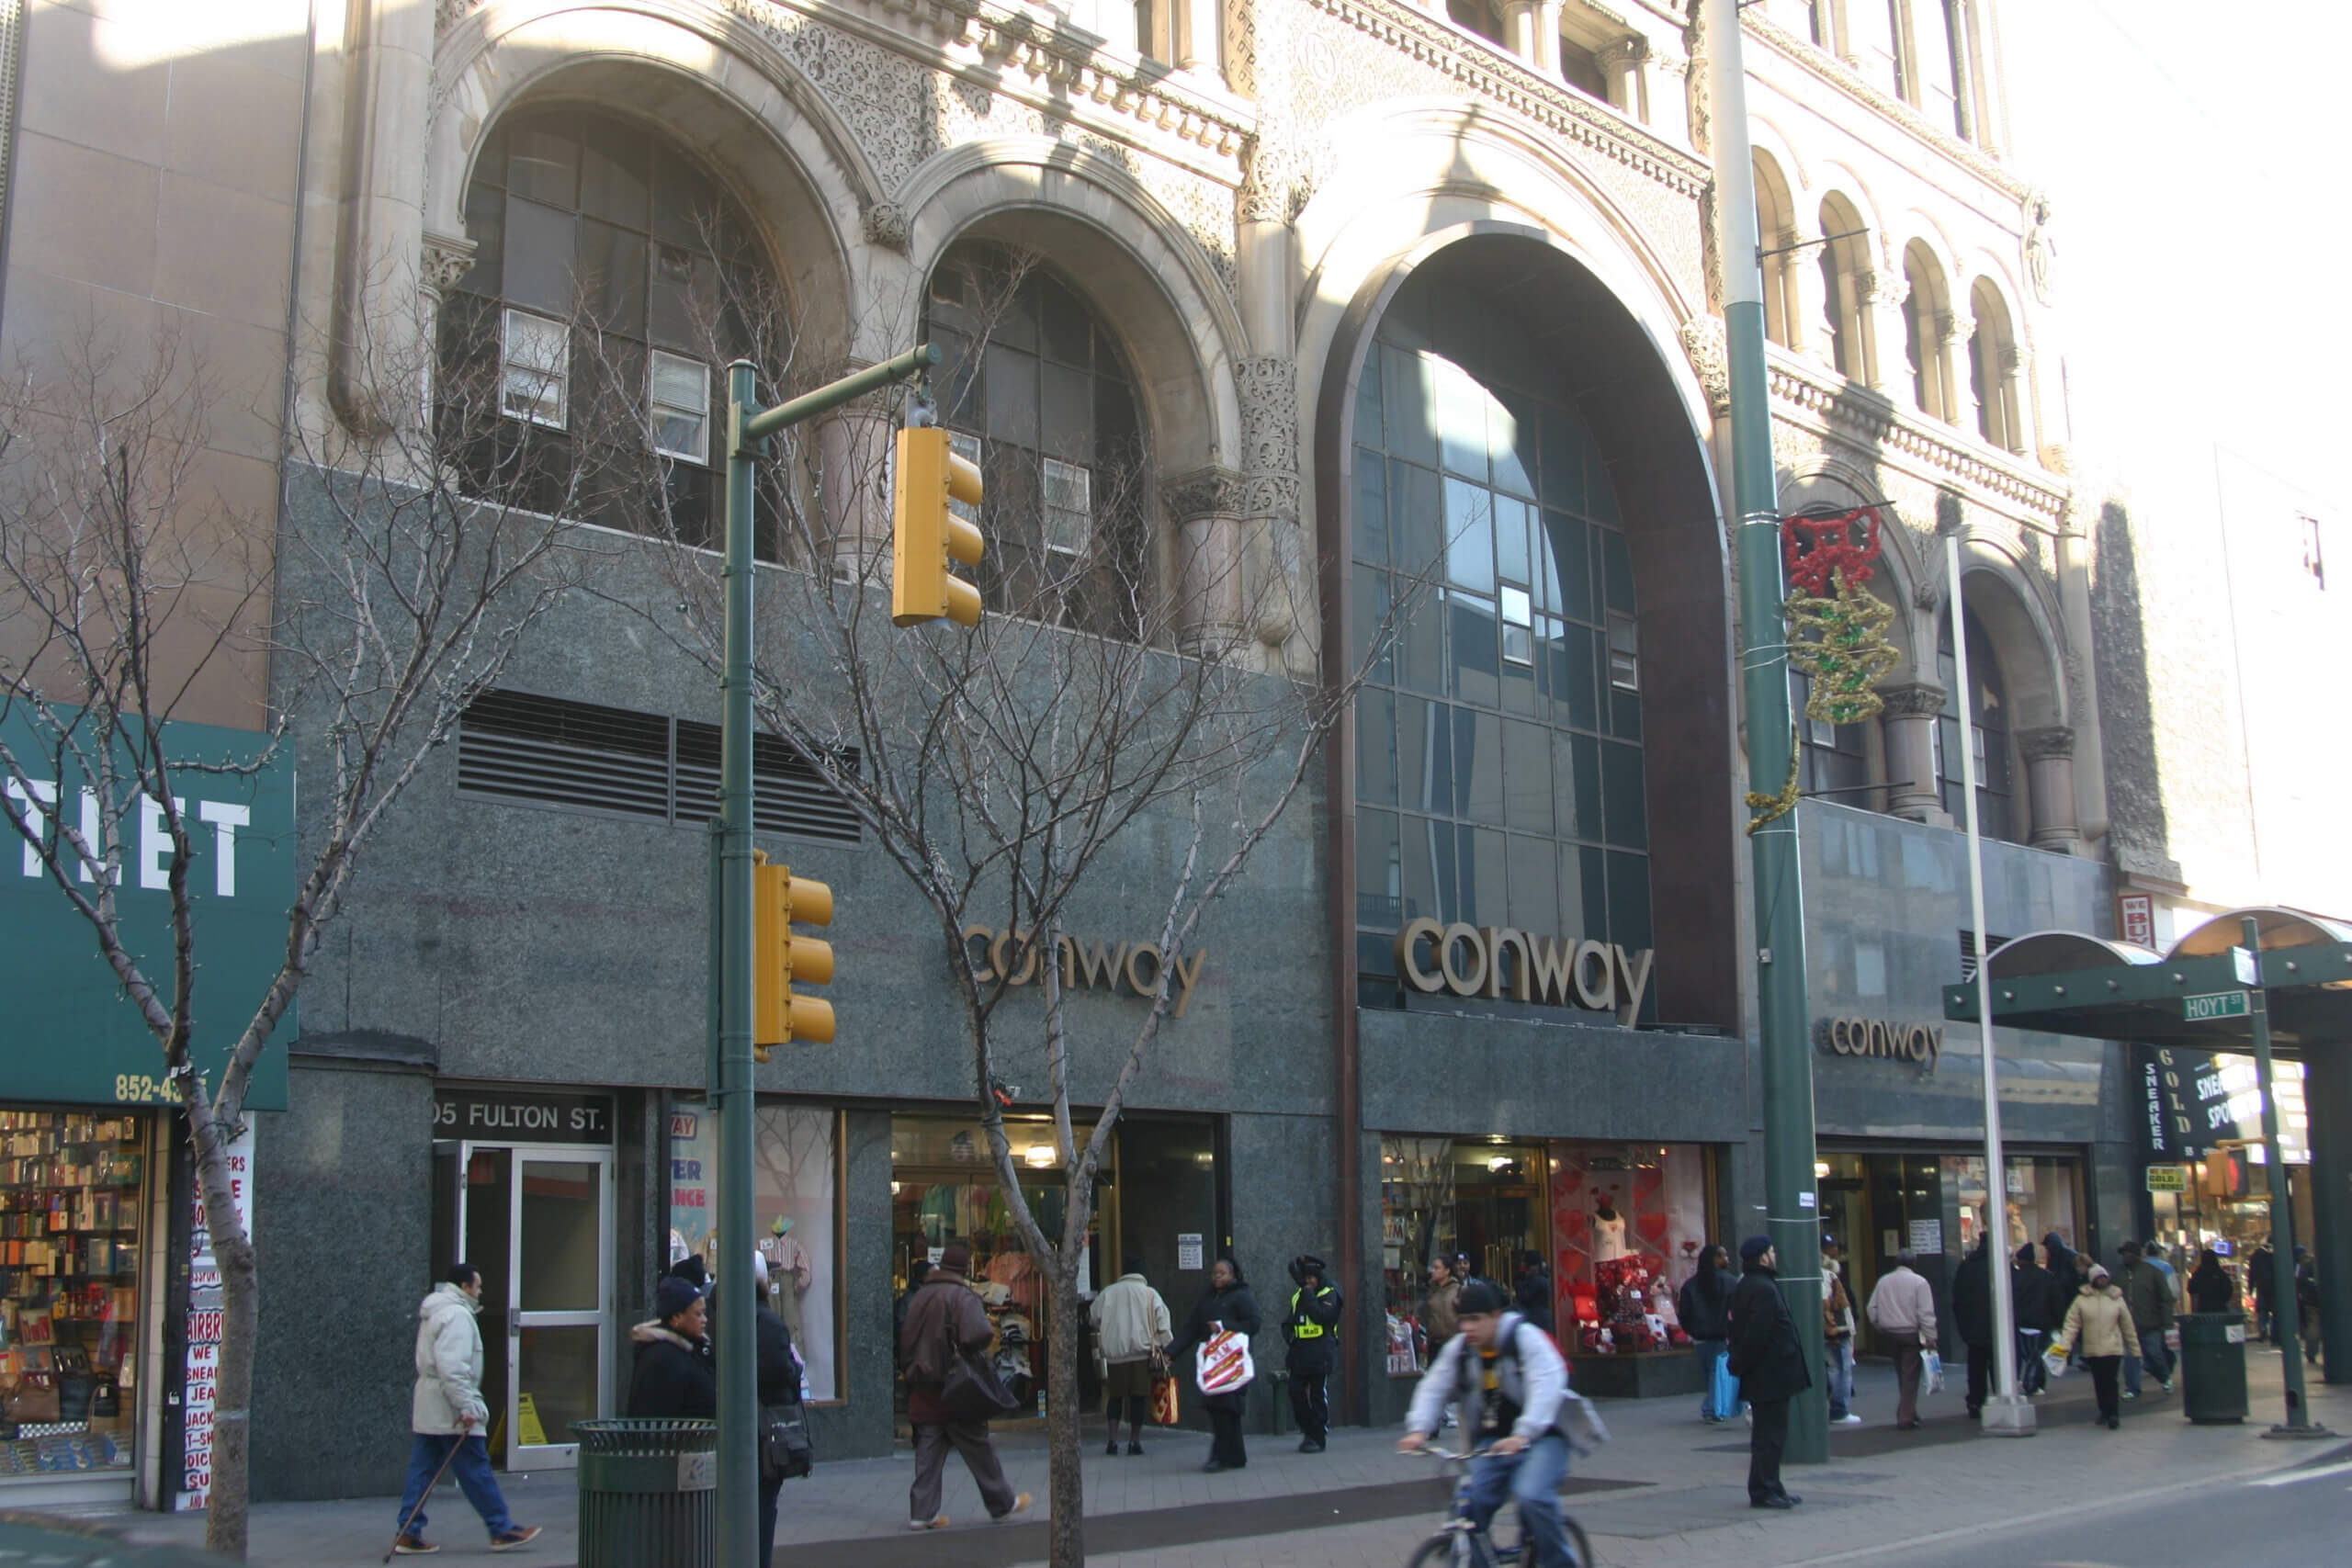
<point x="1114" y="689"/>
<point x="391" y="585"/>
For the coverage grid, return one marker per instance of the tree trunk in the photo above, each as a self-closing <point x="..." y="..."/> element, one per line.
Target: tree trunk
<point x="1066" y="1536"/>
<point x="232" y="1250"/>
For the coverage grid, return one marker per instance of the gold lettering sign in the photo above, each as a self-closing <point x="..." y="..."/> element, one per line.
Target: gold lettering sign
<point x="1919" y="1043"/>
<point x="1470" y="961"/>
<point x="1085" y="966"/>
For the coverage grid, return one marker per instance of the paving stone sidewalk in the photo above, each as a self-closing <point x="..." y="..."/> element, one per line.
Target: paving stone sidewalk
<point x="1666" y="1490"/>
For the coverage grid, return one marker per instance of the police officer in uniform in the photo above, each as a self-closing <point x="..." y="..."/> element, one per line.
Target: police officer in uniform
<point x="1312" y="1330"/>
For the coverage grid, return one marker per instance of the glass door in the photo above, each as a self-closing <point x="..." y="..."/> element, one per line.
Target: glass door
<point x="536" y="1224"/>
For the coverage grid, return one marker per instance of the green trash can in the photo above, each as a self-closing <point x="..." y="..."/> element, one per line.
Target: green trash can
<point x="645" y="1492"/>
<point x="2212" y="1365"/>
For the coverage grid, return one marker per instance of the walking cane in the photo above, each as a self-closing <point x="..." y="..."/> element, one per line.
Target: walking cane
<point x="428" y="1492"/>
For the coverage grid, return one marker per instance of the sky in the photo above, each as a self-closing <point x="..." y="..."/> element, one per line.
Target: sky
<point x="2194" y="158"/>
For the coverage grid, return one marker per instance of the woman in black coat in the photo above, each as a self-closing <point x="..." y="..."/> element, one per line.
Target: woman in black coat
<point x="1228" y="1305"/>
<point x="2210" y="1289"/>
<point x="673" y="1374"/>
<point x="779" y="1374"/>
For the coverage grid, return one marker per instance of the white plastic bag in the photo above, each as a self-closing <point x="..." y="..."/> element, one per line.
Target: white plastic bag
<point x="1223" y="1363"/>
<point x="1932" y="1372"/>
<point x="2055" y="1363"/>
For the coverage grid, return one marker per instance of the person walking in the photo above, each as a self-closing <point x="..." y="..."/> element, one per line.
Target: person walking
<point x="1838" y="1335"/>
<point x="1972" y="1318"/>
<point x="1132" y="1330"/>
<point x="2035" y="1296"/>
<point x="446" y="1417"/>
<point x="2099" y="1325"/>
<point x="674" y="1373"/>
<point x="2307" y="1301"/>
<point x="1228" y="1305"/>
<point x="2210" y="1289"/>
<point x="1768" y="1360"/>
<point x="1511" y="1386"/>
<point x="1532" y="1293"/>
<point x="1312" y="1330"/>
<point x="946" y="1321"/>
<point x="1903" y="1309"/>
<point x="1440" y="1319"/>
<point x="779" y="1376"/>
<point x="2262" y="1283"/>
<point x="1703" y="1306"/>
<point x="2145" y="1294"/>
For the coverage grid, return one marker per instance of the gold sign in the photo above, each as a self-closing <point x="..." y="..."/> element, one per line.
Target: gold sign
<point x="1551" y="971"/>
<point x="1085" y="965"/>
<point x="2167" y="1178"/>
<point x="1917" y="1043"/>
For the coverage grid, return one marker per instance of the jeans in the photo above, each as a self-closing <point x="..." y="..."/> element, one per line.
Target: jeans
<point x="1840" y="1363"/>
<point x="2156" y="1354"/>
<point x="1530" y="1479"/>
<point x="471" y="1466"/>
<point x="1766" y="1440"/>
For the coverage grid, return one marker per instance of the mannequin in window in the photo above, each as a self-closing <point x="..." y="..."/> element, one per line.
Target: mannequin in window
<point x="1607" y="1231"/>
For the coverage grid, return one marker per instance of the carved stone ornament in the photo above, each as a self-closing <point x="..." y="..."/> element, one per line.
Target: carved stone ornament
<point x="1267" y="387"/>
<point x="1703" y="340"/>
<point x="885" y="223"/>
<point x="2041" y="251"/>
<point x="1211" y="491"/>
<point x="446" y="259"/>
<point x="1915" y="701"/>
<point x="2047" y="744"/>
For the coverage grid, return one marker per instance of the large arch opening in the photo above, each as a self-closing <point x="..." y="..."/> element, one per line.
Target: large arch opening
<point x="1547" y="745"/>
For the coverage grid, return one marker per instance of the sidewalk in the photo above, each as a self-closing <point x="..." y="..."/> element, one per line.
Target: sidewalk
<point x="1667" y="1490"/>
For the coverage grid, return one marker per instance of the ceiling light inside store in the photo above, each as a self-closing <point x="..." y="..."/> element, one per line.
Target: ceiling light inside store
<point x="1041" y="1153"/>
<point x="1820" y="1168"/>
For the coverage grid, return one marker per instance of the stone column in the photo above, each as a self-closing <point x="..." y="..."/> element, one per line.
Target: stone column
<point x="1959" y="393"/>
<point x="385" y="276"/>
<point x="2049" y="774"/>
<point x="1197" y="47"/>
<point x="853" y="483"/>
<point x="1909" y="724"/>
<point x="2008" y="373"/>
<point x="1626" y="65"/>
<point x="1547" y="38"/>
<point x="1523" y="29"/>
<point x="1881" y="296"/>
<point x="1807" y="301"/>
<point x="1206" y="507"/>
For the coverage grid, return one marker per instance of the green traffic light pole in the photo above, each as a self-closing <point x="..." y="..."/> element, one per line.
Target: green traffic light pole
<point x="747" y="429"/>
<point x="1791" y="1218"/>
<point x="2288" y="1315"/>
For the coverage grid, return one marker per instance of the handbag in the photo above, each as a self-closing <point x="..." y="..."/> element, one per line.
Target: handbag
<point x="786" y="1452"/>
<point x="1222" y="1364"/>
<point x="1164" y="1412"/>
<point x="973" y="1392"/>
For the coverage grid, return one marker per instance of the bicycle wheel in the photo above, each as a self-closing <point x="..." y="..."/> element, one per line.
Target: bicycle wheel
<point x="1449" y="1549"/>
<point x="1579" y="1545"/>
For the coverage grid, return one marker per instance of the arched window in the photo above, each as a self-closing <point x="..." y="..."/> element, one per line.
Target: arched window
<point x="579" y="356"/>
<point x="1993" y="370"/>
<point x="1777" y="233"/>
<point x="1926" y="310"/>
<point x="1500" y="774"/>
<point x="1038" y="394"/>
<point x="1845" y="269"/>
<point x="1998" y="813"/>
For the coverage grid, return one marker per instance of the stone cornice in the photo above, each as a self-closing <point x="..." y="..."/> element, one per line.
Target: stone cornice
<point x="1853" y="412"/>
<point x="1489" y="72"/>
<point x="1826" y="69"/>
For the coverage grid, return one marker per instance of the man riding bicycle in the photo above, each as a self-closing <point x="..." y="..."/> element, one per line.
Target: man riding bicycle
<point x="1509" y="1380"/>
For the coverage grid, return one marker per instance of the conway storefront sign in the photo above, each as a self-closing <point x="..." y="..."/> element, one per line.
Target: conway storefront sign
<point x="1085" y="966"/>
<point x="1919" y="1043"/>
<point x="1496" y="961"/>
<point x="69" y="1034"/>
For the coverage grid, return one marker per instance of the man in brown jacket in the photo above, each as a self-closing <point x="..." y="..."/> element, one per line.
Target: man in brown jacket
<point x="946" y="1320"/>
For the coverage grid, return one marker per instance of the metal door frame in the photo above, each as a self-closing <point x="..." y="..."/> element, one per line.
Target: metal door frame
<point x="547" y="1456"/>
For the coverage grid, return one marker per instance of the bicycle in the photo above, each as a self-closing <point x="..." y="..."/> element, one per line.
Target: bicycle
<point x="1460" y="1543"/>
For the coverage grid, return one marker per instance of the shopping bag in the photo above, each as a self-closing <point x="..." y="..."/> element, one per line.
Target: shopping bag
<point x="1932" y="1372"/>
<point x="1163" y="1401"/>
<point x="2172" y="1338"/>
<point x="1222" y="1363"/>
<point x="2055" y="1363"/>
<point x="1723" y="1398"/>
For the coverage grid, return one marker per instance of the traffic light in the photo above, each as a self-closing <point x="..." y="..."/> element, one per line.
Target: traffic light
<point x="779" y="958"/>
<point x="924" y="535"/>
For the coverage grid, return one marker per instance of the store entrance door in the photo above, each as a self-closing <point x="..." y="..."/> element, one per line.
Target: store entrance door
<point x="535" y="1220"/>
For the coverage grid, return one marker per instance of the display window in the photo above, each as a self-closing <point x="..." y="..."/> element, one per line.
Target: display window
<point x="1628" y="1223"/>
<point x="1479" y="1199"/>
<point x="73" y="1203"/>
<point x="796" y="1216"/>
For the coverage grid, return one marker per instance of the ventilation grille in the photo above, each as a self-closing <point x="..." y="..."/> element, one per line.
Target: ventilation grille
<point x="512" y="746"/>
<point x="1968" y="953"/>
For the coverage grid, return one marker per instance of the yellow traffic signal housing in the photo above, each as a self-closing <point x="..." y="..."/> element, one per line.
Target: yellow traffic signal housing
<point x="781" y="959"/>
<point x="925" y="535"/>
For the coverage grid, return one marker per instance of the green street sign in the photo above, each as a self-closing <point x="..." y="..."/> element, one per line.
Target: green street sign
<point x="2215" y="1004"/>
<point x="68" y="1034"/>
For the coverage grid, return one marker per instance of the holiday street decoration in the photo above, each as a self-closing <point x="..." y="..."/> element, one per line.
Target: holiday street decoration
<point x="1837" y="626"/>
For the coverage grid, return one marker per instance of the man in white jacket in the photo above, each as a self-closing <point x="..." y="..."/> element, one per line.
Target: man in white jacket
<point x="1130" y="1323"/>
<point x="1512" y="1384"/>
<point x="446" y="1412"/>
<point x="1903" y="1309"/>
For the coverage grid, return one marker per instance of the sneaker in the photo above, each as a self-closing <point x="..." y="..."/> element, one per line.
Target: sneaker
<point x="2167" y="1385"/>
<point x="1019" y="1506"/>
<point x="2130" y="1393"/>
<point x="515" y="1540"/>
<point x="413" y="1546"/>
<point x="936" y="1522"/>
<point x="1848" y="1420"/>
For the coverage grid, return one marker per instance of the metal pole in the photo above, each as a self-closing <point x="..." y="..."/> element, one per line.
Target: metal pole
<point x="2288" y="1332"/>
<point x="1791" y="1215"/>
<point x="2008" y="1413"/>
<point x="738" y="1498"/>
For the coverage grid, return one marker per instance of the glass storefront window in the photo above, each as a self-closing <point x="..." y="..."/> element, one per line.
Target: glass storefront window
<point x="1628" y="1223"/>
<point x="1448" y="1197"/>
<point x="71" y="1225"/>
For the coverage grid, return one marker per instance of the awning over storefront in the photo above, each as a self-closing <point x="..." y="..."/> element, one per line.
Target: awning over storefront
<point x="2067" y="983"/>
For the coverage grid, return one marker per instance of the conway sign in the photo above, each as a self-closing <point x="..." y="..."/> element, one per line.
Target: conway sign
<point x="1550" y="971"/>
